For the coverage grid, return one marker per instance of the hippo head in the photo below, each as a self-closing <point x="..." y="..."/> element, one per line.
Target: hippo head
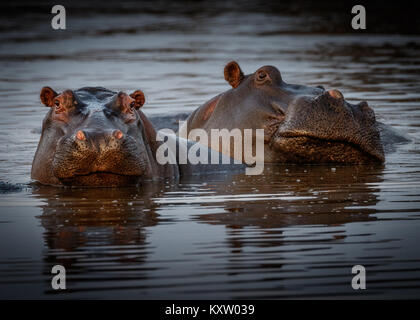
<point x="301" y="124"/>
<point x="94" y="137"/>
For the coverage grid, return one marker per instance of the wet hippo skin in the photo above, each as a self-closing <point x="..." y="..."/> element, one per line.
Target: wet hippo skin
<point x="97" y="137"/>
<point x="301" y="124"/>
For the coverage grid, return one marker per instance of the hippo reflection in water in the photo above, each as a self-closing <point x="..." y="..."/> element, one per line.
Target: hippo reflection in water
<point x="97" y="137"/>
<point x="301" y="124"/>
<point x="98" y="220"/>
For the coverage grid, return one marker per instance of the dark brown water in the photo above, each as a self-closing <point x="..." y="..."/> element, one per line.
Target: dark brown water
<point x="293" y="232"/>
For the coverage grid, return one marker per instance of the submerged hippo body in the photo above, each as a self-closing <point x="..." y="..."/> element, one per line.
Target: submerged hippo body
<point x="301" y="124"/>
<point x="97" y="137"/>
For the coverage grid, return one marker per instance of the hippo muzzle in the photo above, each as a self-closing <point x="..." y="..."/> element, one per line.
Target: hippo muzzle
<point x="328" y="129"/>
<point x="99" y="157"/>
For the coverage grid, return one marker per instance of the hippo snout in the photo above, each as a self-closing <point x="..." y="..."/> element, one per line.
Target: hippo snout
<point x="327" y="128"/>
<point x="88" y="151"/>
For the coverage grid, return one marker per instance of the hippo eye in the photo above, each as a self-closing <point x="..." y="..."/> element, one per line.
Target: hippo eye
<point x="262" y="76"/>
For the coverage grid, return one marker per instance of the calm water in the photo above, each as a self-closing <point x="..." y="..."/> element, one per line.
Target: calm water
<point x="293" y="232"/>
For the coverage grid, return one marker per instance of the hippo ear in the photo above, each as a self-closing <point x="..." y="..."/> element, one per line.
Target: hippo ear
<point x="233" y="74"/>
<point x="139" y="98"/>
<point x="47" y="96"/>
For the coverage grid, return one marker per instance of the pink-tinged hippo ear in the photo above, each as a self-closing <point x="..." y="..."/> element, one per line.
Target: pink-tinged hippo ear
<point x="233" y="74"/>
<point x="47" y="96"/>
<point x="139" y="98"/>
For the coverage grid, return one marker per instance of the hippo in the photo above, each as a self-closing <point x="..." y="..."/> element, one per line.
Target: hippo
<point x="301" y="124"/>
<point x="96" y="137"/>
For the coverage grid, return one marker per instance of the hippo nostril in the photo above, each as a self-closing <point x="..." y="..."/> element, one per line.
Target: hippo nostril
<point x="80" y="135"/>
<point x="367" y="111"/>
<point x="335" y="94"/>
<point x="118" y="134"/>
<point x="364" y="105"/>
